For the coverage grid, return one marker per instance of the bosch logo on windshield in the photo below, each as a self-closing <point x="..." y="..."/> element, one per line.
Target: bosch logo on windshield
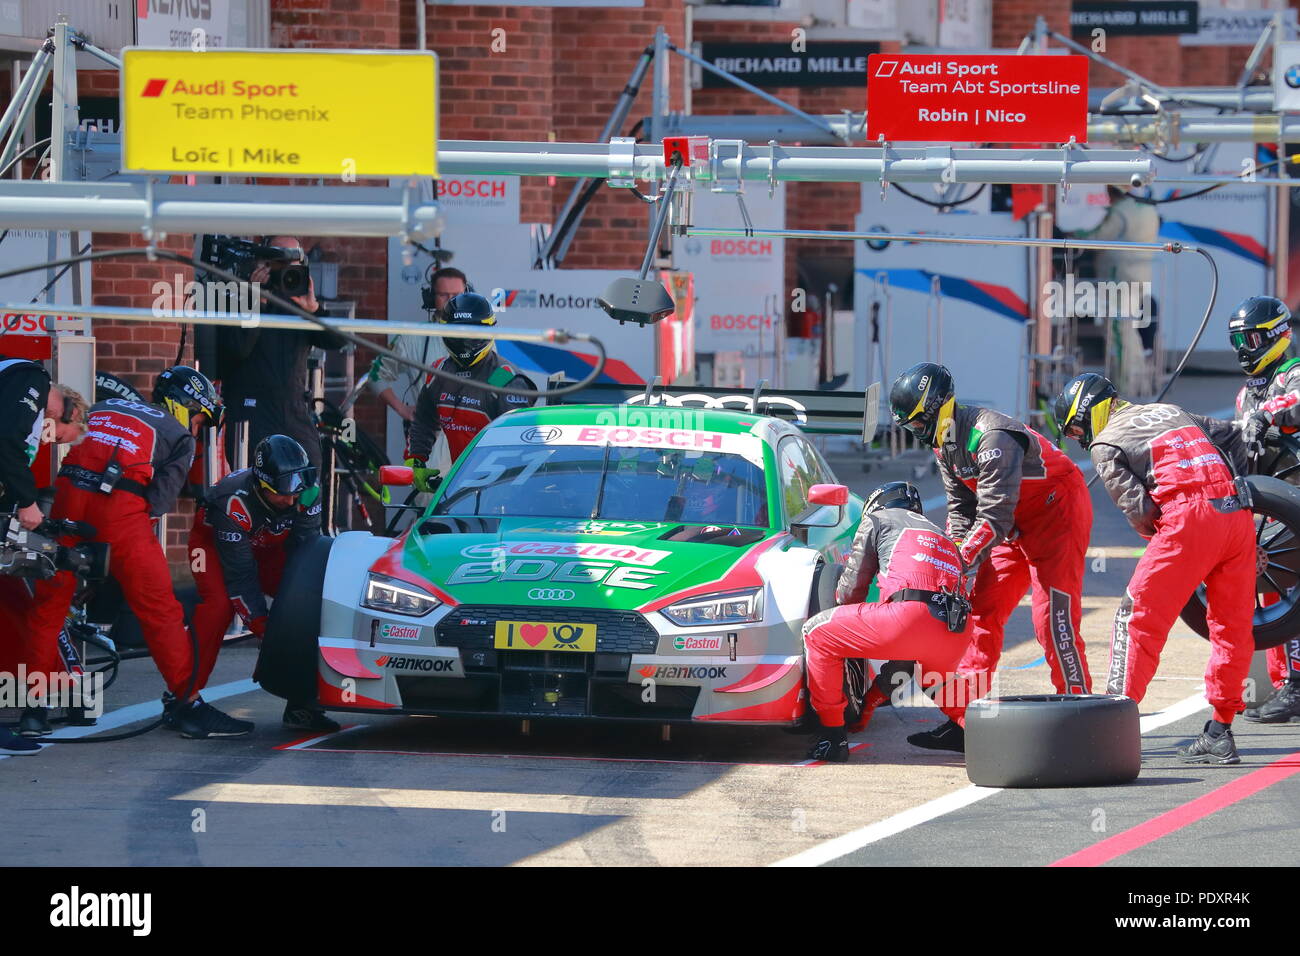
<point x="551" y="594"/>
<point x="540" y="436"/>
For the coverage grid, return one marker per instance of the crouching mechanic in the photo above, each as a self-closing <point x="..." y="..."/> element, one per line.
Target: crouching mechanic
<point x="249" y="525"/>
<point x="127" y="472"/>
<point x="1162" y="469"/>
<point x="1259" y="331"/>
<point x="921" y="615"/>
<point x="462" y="410"/>
<point x="1019" y="510"/>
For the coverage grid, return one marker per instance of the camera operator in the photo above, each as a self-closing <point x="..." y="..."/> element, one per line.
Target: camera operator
<point x="264" y="371"/>
<point x="33" y="412"/>
<point x="129" y="471"/>
<point x="398" y="386"/>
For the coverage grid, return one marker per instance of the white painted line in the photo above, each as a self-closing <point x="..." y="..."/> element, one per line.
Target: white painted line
<point x="873" y="833"/>
<point x="147" y="710"/>
<point x="313" y="741"/>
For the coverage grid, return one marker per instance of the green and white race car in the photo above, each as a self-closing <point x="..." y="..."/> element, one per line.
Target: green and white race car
<point x="639" y="562"/>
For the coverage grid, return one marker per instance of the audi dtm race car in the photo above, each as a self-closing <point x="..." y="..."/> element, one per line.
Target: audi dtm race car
<point x="649" y="562"/>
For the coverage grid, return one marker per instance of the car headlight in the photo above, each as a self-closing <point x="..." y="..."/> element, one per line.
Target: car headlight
<point x="733" y="607"/>
<point x="397" y="597"/>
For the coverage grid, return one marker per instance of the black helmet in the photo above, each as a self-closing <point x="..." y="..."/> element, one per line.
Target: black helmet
<point x="468" y="308"/>
<point x="281" y="467"/>
<point x="1086" y="401"/>
<point x="186" y="391"/>
<point x="895" y="494"/>
<point x="1260" y="330"/>
<point x="922" y="400"/>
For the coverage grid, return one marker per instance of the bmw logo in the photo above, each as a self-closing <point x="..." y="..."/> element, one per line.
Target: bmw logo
<point x="877" y="245"/>
<point x="1292" y="76"/>
<point x="540" y="436"/>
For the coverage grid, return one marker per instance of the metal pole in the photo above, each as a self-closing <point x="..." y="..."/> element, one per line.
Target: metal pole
<point x="36" y="68"/>
<point x="25" y="111"/>
<point x="751" y="88"/>
<point x="292" y="323"/>
<point x="617" y="117"/>
<point x="837" y="236"/>
<point x="421" y="35"/>
<point x="665" y="201"/>
<point x="105" y="57"/>
<point x="1257" y="52"/>
<point x="63" y="105"/>
<point x="1125" y="71"/>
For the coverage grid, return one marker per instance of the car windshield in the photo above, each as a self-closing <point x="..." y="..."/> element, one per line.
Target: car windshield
<point x="603" y="481"/>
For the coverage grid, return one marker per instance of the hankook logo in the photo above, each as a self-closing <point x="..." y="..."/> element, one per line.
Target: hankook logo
<point x="540" y="436"/>
<point x="551" y="594"/>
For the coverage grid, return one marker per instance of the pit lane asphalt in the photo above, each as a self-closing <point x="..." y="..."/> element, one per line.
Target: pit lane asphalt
<point x="429" y="791"/>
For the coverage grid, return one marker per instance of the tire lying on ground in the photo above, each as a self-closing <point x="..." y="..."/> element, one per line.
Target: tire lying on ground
<point x="1053" y="740"/>
<point x="1280" y="502"/>
<point x="287" y="665"/>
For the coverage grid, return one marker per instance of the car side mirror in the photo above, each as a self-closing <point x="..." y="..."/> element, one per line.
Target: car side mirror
<point x="836" y="496"/>
<point x="396" y="475"/>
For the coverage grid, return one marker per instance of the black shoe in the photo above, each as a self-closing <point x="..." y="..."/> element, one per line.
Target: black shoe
<point x="15" y="746"/>
<point x="1208" y="749"/>
<point x="831" y="745"/>
<point x="201" y="720"/>
<point x="950" y="736"/>
<point x="302" y="717"/>
<point x="1282" y="706"/>
<point x="35" y="722"/>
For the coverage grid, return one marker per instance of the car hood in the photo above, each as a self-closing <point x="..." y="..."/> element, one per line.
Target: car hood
<point x="580" y="563"/>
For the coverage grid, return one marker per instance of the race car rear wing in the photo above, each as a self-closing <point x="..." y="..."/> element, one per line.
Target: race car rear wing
<point x="812" y="411"/>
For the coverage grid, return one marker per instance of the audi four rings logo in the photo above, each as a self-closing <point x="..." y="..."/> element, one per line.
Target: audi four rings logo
<point x="550" y="594"/>
<point x="540" y="436"/>
<point x="744" y="403"/>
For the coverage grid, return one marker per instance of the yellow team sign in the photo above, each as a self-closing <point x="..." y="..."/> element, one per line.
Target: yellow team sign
<point x="313" y="113"/>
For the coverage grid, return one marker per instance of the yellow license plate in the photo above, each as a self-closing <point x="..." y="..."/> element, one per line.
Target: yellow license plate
<point x="544" y="636"/>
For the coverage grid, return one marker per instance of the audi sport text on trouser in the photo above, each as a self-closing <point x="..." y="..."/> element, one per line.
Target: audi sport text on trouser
<point x="1021" y="510"/>
<point x="1163" y="471"/>
<point x="154" y="452"/>
<point x="244" y="544"/>
<point x="908" y="627"/>
<point x="1278" y="394"/>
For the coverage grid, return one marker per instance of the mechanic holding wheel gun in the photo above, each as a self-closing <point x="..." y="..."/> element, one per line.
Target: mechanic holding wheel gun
<point x="922" y="614"/>
<point x="243" y="534"/>
<point x="127" y="472"/>
<point x="33" y="412"/>
<point x="462" y="410"/>
<point x="1020" y="512"/>
<point x="1259" y="331"/>
<point x="1175" y="487"/>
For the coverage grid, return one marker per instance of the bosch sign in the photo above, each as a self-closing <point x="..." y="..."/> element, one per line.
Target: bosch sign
<point x="740" y="247"/>
<point x="741" y="322"/>
<point x="28" y="324"/>
<point x="472" y="189"/>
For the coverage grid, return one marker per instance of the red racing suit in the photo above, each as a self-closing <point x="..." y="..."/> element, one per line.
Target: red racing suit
<point x="154" y="452"/>
<point x="462" y="411"/>
<point x="1162" y="469"/>
<point x="244" y="545"/>
<point x="1278" y="393"/>
<point x="914" y="561"/>
<point x="1022" y="514"/>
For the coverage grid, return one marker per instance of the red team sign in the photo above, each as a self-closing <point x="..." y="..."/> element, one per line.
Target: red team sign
<point x="977" y="99"/>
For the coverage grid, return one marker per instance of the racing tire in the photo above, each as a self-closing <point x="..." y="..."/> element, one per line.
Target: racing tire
<point x="288" y="662"/>
<point x="1053" y="740"/>
<point x="1278" y="538"/>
